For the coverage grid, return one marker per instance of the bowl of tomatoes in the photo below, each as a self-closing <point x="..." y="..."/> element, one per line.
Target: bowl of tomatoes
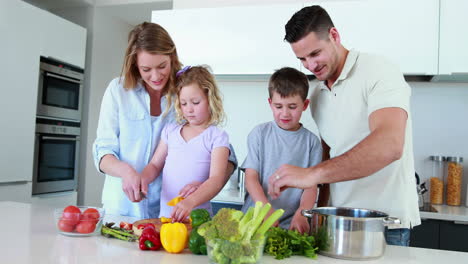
<point x="79" y="220"/>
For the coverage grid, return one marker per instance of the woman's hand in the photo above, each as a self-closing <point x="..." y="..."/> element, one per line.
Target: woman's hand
<point x="182" y="210"/>
<point x="189" y="189"/>
<point x="131" y="185"/>
<point x="299" y="223"/>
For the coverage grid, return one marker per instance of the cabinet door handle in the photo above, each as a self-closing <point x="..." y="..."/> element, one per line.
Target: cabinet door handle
<point x="460" y="222"/>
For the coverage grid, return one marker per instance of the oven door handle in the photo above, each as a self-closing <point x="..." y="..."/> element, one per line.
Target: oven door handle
<point x="62" y="78"/>
<point x="61" y="138"/>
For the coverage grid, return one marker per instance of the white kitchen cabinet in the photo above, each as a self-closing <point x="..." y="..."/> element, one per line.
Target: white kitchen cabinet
<point x="62" y="39"/>
<point x="453" y="54"/>
<point x="406" y="32"/>
<point x="232" y="40"/>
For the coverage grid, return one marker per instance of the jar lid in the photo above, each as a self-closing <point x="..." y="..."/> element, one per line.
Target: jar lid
<point x="455" y="159"/>
<point x="438" y="158"/>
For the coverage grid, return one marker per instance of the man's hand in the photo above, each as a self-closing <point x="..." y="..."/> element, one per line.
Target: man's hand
<point x="288" y="176"/>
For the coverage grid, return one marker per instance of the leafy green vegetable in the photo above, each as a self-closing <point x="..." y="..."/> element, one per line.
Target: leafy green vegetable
<point x="283" y="243"/>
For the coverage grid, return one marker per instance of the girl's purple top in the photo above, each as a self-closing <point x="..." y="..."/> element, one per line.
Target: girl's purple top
<point x="187" y="161"/>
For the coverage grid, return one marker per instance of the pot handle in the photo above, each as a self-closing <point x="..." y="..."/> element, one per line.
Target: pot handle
<point x="389" y="221"/>
<point x="306" y="213"/>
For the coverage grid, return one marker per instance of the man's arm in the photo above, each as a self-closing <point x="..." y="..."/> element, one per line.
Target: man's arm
<point x="381" y="147"/>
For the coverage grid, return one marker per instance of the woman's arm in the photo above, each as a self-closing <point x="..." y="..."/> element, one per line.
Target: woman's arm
<point x="208" y="189"/>
<point x="110" y="165"/>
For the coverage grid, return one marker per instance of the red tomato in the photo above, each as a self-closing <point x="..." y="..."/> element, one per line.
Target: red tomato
<point x="91" y="213"/>
<point x="64" y="226"/>
<point x="126" y="225"/>
<point x="85" y="227"/>
<point x="71" y="214"/>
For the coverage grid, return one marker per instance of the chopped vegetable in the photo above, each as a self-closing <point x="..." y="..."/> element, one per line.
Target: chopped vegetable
<point x="175" y="201"/>
<point x="149" y="239"/>
<point x="126" y="225"/>
<point x="166" y="220"/>
<point x="174" y="237"/>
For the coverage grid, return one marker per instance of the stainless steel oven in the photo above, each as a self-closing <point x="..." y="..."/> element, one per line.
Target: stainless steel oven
<point x="60" y="90"/>
<point x="56" y="156"/>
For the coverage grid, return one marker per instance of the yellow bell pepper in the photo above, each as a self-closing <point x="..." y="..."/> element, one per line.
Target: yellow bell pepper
<point x="175" y="201"/>
<point x="165" y="220"/>
<point x="174" y="237"/>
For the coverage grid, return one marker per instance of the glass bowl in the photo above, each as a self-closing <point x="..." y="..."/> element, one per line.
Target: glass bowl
<point x="86" y="222"/>
<point x="225" y="251"/>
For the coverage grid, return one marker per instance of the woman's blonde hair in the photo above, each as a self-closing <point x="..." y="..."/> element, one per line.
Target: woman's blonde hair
<point x="201" y="76"/>
<point x="154" y="39"/>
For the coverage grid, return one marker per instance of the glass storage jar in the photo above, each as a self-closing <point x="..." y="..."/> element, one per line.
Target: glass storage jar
<point x="436" y="187"/>
<point x="454" y="180"/>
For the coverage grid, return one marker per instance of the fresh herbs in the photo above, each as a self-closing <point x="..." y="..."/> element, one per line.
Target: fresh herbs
<point x="283" y="243"/>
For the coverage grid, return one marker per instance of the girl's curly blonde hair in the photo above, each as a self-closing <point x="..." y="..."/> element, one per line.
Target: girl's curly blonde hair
<point x="201" y="76"/>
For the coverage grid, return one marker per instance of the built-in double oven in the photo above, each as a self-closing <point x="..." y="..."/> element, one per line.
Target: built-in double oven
<point x="58" y="122"/>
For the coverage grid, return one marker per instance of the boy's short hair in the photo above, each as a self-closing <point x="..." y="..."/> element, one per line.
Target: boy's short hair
<point x="287" y="82"/>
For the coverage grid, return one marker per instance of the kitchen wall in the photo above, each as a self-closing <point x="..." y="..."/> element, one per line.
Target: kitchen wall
<point x="438" y="109"/>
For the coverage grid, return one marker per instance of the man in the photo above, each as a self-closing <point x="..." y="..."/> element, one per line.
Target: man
<point x="361" y="107"/>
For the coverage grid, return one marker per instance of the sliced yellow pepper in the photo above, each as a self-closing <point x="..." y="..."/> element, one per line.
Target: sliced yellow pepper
<point x="174" y="237"/>
<point x="166" y="220"/>
<point x="175" y="201"/>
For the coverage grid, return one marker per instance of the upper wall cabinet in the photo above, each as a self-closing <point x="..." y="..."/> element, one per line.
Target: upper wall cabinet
<point x="453" y="52"/>
<point x="231" y="40"/>
<point x="404" y="31"/>
<point x="62" y="39"/>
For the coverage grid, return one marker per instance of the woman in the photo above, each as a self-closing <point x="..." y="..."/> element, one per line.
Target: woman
<point x="134" y="109"/>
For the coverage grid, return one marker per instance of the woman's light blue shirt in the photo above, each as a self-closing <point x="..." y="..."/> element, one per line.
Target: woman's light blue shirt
<point x="127" y="130"/>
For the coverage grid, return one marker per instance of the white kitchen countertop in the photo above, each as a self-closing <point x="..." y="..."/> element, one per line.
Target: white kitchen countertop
<point x="29" y="236"/>
<point x="448" y="213"/>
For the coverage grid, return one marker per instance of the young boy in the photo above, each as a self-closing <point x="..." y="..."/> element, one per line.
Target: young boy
<point x="284" y="141"/>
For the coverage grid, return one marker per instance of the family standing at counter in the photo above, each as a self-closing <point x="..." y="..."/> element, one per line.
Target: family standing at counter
<point x="361" y="107"/>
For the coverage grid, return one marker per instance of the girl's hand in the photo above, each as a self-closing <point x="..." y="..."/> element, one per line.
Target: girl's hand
<point x="189" y="189"/>
<point x="182" y="210"/>
<point x="299" y="223"/>
<point x="131" y="185"/>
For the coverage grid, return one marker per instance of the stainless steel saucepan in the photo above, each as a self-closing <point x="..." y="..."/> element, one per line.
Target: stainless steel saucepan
<point x="349" y="233"/>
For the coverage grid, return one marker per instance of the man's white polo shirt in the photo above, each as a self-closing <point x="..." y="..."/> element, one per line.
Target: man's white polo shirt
<point x="366" y="84"/>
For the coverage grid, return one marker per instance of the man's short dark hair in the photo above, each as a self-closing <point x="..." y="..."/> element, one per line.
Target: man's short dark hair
<point x="287" y="82"/>
<point x="308" y="19"/>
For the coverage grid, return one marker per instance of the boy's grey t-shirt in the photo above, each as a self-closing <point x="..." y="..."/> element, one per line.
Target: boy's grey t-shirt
<point x="269" y="147"/>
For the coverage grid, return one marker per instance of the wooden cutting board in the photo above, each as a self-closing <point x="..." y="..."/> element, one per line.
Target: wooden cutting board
<point x="157" y="223"/>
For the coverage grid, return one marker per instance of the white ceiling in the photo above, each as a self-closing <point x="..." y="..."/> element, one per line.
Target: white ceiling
<point x="132" y="12"/>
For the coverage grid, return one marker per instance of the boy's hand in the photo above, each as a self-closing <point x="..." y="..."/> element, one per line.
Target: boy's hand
<point x="299" y="223"/>
<point x="182" y="210"/>
<point x="189" y="189"/>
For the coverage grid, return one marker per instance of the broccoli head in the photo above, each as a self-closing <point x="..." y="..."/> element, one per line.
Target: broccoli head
<point x="226" y="222"/>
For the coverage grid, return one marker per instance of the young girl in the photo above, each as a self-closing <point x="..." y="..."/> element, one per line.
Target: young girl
<point x="194" y="150"/>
